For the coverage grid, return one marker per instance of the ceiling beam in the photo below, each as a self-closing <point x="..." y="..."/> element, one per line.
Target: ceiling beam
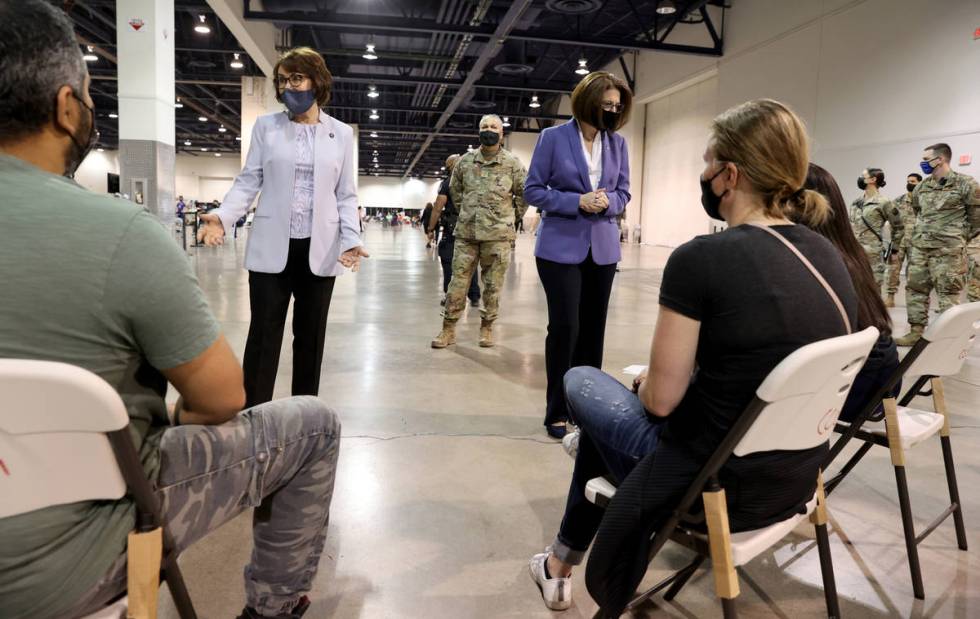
<point x="507" y="24"/>
<point x="540" y="87"/>
<point x="424" y="110"/>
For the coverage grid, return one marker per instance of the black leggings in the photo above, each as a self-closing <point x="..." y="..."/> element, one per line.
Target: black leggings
<point x="578" y="299"/>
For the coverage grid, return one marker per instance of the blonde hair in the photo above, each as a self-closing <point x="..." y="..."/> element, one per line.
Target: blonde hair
<point x="768" y="143"/>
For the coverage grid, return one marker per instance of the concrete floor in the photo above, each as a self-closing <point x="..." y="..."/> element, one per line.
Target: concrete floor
<point x="447" y="482"/>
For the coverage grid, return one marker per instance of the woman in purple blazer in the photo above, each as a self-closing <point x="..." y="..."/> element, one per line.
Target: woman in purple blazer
<point x="579" y="177"/>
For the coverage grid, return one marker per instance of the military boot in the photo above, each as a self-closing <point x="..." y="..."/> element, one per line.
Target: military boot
<point x="910" y="338"/>
<point x="890" y="301"/>
<point x="446" y="337"/>
<point x="486" y="334"/>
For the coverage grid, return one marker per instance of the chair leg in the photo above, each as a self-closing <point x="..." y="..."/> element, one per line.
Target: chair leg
<point x="908" y="526"/>
<point x="819" y="520"/>
<point x="178" y="590"/>
<point x="682" y="578"/>
<point x="720" y="544"/>
<point x="728" y="608"/>
<point x="939" y="402"/>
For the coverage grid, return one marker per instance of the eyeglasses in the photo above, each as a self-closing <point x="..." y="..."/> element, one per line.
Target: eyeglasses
<point x="295" y="80"/>
<point x="609" y="106"/>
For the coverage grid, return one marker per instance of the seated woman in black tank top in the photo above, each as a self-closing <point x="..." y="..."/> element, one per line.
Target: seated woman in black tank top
<point x="732" y="306"/>
<point x="883" y="359"/>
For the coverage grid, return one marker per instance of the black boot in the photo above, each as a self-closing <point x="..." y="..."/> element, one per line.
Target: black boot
<point x="298" y="611"/>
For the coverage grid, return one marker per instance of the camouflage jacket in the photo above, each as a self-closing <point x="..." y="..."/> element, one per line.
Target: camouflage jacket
<point x="489" y="194"/>
<point x="902" y="206"/>
<point x="947" y="211"/>
<point x="868" y="217"/>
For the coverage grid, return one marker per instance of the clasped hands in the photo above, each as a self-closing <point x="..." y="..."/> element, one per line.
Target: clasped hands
<point x="212" y="233"/>
<point x="594" y="202"/>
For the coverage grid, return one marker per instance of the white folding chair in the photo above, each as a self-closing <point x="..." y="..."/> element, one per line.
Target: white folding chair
<point x="64" y="438"/>
<point x="941" y="351"/>
<point x="795" y="408"/>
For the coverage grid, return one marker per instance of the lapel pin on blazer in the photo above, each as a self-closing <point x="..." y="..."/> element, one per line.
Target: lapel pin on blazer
<point x="331" y="134"/>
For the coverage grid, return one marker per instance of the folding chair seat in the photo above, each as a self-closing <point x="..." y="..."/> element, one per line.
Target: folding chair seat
<point x="64" y="438"/>
<point x="941" y="351"/>
<point x="795" y="408"/>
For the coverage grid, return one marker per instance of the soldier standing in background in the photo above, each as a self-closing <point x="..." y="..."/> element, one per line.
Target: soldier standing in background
<point x="902" y="207"/>
<point x="947" y="217"/>
<point x="488" y="187"/>
<point x="445" y="214"/>
<point x="868" y="216"/>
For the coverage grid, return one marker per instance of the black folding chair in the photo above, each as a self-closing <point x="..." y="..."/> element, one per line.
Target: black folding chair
<point x="940" y="352"/>
<point x="794" y="409"/>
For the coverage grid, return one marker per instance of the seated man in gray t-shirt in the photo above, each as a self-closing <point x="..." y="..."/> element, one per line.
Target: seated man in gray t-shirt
<point x="98" y="283"/>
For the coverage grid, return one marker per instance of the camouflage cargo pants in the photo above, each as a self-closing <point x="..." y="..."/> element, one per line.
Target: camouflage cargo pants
<point x="877" y="266"/>
<point x="493" y="258"/>
<point x="895" y="269"/>
<point x="973" y="281"/>
<point x="942" y="270"/>
<point x="279" y="458"/>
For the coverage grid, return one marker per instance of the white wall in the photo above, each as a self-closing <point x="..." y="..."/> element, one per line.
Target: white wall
<point x="521" y="145"/>
<point x="205" y="177"/>
<point x="92" y="173"/>
<point x="387" y="192"/>
<point x="875" y="81"/>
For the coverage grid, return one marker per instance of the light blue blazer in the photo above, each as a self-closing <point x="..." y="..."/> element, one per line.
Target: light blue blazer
<point x="270" y="168"/>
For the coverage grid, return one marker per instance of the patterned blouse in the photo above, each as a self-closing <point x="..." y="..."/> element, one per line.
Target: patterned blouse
<point x="301" y="215"/>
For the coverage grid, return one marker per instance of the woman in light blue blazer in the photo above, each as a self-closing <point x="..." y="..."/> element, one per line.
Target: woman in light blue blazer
<point x="305" y="228"/>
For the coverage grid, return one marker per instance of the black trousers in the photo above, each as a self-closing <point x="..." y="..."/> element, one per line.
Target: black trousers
<point x="269" y="295"/>
<point x="446" y="250"/>
<point x="578" y="299"/>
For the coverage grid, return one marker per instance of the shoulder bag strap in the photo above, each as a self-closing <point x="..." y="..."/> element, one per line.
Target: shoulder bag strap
<point x="813" y="270"/>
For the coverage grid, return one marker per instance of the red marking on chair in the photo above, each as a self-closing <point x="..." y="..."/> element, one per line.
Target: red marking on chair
<point x="4" y="468"/>
<point x="826" y="423"/>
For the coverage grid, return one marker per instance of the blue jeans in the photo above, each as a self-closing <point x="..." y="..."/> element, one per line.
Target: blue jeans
<point x="616" y="433"/>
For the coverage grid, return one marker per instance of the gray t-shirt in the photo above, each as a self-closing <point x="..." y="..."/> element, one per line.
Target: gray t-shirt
<point x="95" y="282"/>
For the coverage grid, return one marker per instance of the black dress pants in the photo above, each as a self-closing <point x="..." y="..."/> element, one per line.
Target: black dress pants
<point x="269" y="295"/>
<point x="578" y="299"/>
<point x="446" y="251"/>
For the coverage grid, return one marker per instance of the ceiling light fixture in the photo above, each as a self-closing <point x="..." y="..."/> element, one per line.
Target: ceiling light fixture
<point x="187" y="143"/>
<point x="89" y="56"/>
<point x="369" y="53"/>
<point x="373" y="92"/>
<point x="202" y="119"/>
<point x="217" y="154"/>
<point x="202" y="27"/>
<point x="375" y="160"/>
<point x="506" y="121"/>
<point x="113" y="115"/>
<point x="238" y="138"/>
<point x="236" y="63"/>
<point x="666" y="7"/>
<point x="534" y="102"/>
<point x="178" y="105"/>
<point x="583" y="67"/>
<point x="374" y="115"/>
<point x="222" y="129"/>
<point x="204" y="150"/>
<point x="374" y="134"/>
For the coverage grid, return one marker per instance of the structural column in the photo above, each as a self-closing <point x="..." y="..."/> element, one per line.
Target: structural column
<point x="145" y="44"/>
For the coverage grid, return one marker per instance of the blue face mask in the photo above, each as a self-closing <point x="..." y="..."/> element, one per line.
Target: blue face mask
<point x="926" y="168"/>
<point x="298" y="101"/>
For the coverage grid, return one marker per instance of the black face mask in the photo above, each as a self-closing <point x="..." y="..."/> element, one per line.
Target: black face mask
<point x="709" y="200"/>
<point x="609" y="120"/>
<point x="79" y="150"/>
<point x="862" y="184"/>
<point x="909" y="187"/>
<point x="489" y="138"/>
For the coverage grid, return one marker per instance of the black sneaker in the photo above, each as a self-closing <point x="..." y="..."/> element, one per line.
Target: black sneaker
<point x="298" y="611"/>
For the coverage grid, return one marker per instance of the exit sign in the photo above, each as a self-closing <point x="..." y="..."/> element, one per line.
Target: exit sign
<point x="966" y="159"/>
<point x="976" y="34"/>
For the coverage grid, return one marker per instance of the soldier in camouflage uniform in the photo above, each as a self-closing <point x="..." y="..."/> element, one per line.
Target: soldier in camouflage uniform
<point x="901" y="206"/>
<point x="947" y="218"/>
<point x="868" y="216"/>
<point x="488" y="187"/>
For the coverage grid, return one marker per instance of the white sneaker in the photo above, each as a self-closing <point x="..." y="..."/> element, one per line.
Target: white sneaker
<point x="557" y="592"/>
<point x="570" y="443"/>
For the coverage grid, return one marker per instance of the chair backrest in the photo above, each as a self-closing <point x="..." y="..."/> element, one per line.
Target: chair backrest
<point x="803" y="395"/>
<point x="950" y="338"/>
<point x="53" y="446"/>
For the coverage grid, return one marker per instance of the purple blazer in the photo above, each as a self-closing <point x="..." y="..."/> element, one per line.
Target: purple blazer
<point x="558" y="175"/>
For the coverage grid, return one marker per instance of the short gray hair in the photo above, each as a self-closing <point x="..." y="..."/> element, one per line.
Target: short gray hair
<point x="38" y="55"/>
<point x="486" y="116"/>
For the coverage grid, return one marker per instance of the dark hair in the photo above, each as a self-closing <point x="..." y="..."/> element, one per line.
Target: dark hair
<point x="916" y="175"/>
<point x="942" y="149"/>
<point x="587" y="98"/>
<point x="310" y="63"/>
<point x="878" y="175"/>
<point x="38" y="55"/>
<point x="837" y="229"/>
